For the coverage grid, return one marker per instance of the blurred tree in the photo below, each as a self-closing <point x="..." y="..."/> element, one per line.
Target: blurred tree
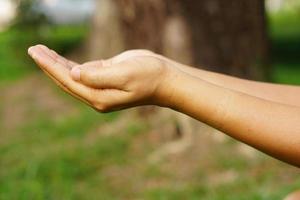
<point x="28" y="16"/>
<point x="224" y="36"/>
<point x="230" y="35"/>
<point x="27" y="27"/>
<point x="106" y="37"/>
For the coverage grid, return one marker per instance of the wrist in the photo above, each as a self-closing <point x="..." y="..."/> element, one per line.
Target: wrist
<point x="168" y="85"/>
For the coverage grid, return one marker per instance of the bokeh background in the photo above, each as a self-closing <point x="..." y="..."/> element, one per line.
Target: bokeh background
<point x="54" y="147"/>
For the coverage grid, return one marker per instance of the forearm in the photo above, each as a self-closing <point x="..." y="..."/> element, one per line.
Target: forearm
<point x="268" y="126"/>
<point x="122" y="83"/>
<point x="268" y="91"/>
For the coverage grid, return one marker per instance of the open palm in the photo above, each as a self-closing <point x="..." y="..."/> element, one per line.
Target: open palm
<point x="130" y="79"/>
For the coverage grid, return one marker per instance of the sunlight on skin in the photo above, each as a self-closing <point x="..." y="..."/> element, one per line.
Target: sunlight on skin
<point x="252" y="112"/>
<point x="293" y="196"/>
<point x="58" y="69"/>
<point x="105" y="86"/>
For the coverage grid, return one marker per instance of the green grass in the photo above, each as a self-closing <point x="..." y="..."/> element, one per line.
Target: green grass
<point x="49" y="160"/>
<point x="244" y="188"/>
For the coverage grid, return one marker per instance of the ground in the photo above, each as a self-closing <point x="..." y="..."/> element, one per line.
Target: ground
<point x="53" y="147"/>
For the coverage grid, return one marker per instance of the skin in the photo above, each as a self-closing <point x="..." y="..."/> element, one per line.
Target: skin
<point x="265" y="116"/>
<point x="293" y="196"/>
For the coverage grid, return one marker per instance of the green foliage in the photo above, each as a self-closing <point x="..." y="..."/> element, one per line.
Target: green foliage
<point x="15" y="63"/>
<point x="29" y="28"/>
<point x="27" y="16"/>
<point x="285" y="51"/>
<point x="287" y="73"/>
<point x="49" y="159"/>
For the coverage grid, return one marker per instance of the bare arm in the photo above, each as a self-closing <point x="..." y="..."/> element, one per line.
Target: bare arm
<point x="285" y="94"/>
<point x="136" y="78"/>
<point x="271" y="127"/>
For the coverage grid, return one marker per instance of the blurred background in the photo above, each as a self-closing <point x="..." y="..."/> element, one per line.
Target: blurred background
<point x="54" y="147"/>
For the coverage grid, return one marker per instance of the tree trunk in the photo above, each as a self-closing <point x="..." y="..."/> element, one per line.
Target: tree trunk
<point x="229" y="36"/>
<point x="224" y="36"/>
<point x="106" y="37"/>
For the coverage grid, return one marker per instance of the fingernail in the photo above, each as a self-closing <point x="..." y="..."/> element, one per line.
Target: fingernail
<point x="75" y="73"/>
<point x="30" y="51"/>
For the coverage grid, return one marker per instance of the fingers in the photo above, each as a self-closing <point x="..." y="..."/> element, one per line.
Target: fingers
<point x="61" y="59"/>
<point x="110" y="73"/>
<point x="59" y="71"/>
<point x="67" y="63"/>
<point x="98" y="75"/>
<point x="67" y="90"/>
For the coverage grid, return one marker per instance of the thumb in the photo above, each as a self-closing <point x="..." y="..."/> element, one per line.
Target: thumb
<point x="95" y="75"/>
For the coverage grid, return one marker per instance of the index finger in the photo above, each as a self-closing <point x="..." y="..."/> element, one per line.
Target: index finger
<point x="64" y="61"/>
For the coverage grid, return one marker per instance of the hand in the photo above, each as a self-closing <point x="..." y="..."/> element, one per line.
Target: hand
<point x="133" y="78"/>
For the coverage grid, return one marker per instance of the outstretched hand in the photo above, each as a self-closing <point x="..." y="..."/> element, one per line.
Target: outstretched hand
<point x="141" y="78"/>
<point x="133" y="78"/>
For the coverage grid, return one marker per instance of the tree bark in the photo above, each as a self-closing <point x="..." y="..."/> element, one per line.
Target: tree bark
<point x="229" y="36"/>
<point x="106" y="36"/>
<point x="223" y="36"/>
